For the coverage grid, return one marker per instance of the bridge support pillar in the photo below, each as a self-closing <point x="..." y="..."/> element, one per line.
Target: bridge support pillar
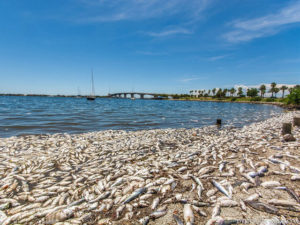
<point x="125" y="95"/>
<point x="142" y="96"/>
<point x="132" y="95"/>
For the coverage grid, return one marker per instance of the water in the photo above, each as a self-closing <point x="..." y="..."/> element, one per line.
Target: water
<point x="40" y="115"/>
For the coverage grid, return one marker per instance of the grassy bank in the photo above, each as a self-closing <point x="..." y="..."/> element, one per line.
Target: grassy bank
<point x="256" y="100"/>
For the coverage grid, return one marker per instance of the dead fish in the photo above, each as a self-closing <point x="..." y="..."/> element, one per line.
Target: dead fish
<point x="273" y="221"/>
<point x="188" y="214"/>
<point x="215" y="221"/>
<point x="197" y="181"/>
<point x="222" y="165"/>
<point x="228" y="203"/>
<point x="5" y="206"/>
<point x="216" y="210"/>
<point x="199" y="211"/>
<point x="221" y="188"/>
<point x="145" y="220"/>
<point x="3" y="217"/>
<point x="199" y="191"/>
<point x="59" y="216"/>
<point x="155" y="203"/>
<point x="119" y="211"/>
<point x="205" y="170"/>
<point x="262" y="207"/>
<point x="291" y="192"/>
<point x="281" y="202"/>
<point x="270" y="184"/>
<point x="135" y="194"/>
<point x="118" y="182"/>
<point x="295" y="177"/>
<point x="178" y="220"/>
<point x="253" y="197"/>
<point x="158" y="214"/>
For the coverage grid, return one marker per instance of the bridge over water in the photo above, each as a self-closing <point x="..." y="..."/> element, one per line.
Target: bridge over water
<point x="133" y="94"/>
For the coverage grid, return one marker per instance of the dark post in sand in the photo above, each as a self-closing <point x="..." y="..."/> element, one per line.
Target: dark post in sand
<point x="286" y="128"/>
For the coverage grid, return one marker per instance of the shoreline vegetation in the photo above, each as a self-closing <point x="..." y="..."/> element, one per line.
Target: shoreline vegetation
<point x="165" y="176"/>
<point x="251" y="95"/>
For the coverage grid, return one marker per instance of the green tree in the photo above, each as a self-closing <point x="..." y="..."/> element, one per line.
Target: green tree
<point x="294" y="96"/>
<point x="214" y="91"/>
<point x="224" y="92"/>
<point x="276" y="90"/>
<point x="208" y="92"/>
<point x="232" y="91"/>
<point x="240" y="91"/>
<point x="283" y="88"/>
<point x="219" y="93"/>
<point x="252" y="92"/>
<point x="273" y="86"/>
<point x="262" y="90"/>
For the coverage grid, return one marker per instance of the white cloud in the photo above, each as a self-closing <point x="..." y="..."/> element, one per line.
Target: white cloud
<point x="116" y="10"/>
<point x="170" y="32"/>
<point x="215" y="58"/>
<point x="246" y="30"/>
<point x="186" y="80"/>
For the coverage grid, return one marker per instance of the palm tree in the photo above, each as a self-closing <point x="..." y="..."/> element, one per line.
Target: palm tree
<point x="225" y="92"/>
<point x="283" y="88"/>
<point x="276" y="90"/>
<point x="214" y="91"/>
<point x="240" y="91"/>
<point x="273" y="86"/>
<point x="291" y="89"/>
<point x="208" y="92"/>
<point x="232" y="91"/>
<point x="262" y="89"/>
<point x="219" y="93"/>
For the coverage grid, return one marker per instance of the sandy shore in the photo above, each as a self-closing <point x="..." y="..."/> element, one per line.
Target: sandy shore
<point x="140" y="177"/>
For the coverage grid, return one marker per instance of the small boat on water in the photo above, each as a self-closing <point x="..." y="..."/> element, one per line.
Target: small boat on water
<point x="92" y="96"/>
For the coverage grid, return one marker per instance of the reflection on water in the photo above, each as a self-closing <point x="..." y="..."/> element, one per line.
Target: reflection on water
<point x="39" y="115"/>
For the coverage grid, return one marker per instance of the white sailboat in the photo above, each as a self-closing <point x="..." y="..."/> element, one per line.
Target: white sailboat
<point x="92" y="96"/>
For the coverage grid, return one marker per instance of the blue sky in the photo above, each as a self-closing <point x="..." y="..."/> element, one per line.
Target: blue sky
<point x="171" y="46"/>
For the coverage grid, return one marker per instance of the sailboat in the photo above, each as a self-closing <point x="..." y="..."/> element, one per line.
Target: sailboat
<point x="92" y="96"/>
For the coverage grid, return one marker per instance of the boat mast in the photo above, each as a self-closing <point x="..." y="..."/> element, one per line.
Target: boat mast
<point x="93" y="88"/>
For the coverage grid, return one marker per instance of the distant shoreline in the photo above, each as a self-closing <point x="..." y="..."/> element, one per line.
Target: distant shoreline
<point x="280" y="104"/>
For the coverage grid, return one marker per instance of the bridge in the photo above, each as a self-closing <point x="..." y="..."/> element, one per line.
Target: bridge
<point x="141" y="94"/>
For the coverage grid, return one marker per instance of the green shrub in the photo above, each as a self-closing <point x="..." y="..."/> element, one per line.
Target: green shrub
<point x="269" y="99"/>
<point x="233" y="99"/>
<point x="294" y="96"/>
<point x="255" y="99"/>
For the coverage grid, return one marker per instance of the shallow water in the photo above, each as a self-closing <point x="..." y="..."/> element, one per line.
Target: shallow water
<point x="39" y="115"/>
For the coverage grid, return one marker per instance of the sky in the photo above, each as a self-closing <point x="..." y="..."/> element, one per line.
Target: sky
<point x="50" y="46"/>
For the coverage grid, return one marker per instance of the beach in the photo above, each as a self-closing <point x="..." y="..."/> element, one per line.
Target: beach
<point x="200" y="175"/>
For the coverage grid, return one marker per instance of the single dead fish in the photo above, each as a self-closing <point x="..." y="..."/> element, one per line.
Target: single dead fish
<point x="262" y="207"/>
<point x="188" y="214"/>
<point x="135" y="194"/>
<point x="221" y="188"/>
<point x="178" y="220"/>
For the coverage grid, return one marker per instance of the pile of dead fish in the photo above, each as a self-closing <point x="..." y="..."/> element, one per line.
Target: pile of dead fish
<point x="209" y="175"/>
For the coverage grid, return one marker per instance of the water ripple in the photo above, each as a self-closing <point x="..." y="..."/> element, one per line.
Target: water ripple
<point x="40" y="115"/>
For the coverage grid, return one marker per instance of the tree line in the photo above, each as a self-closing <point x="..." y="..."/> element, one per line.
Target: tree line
<point x="250" y="92"/>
